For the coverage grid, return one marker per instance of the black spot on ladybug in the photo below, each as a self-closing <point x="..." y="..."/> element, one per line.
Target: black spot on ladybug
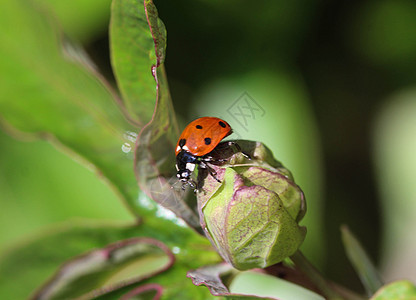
<point x="182" y="142"/>
<point x="198" y="127"/>
<point x="207" y="141"/>
<point x="222" y="124"/>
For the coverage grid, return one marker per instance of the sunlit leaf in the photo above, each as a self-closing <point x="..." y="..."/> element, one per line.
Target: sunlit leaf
<point x="26" y="266"/>
<point x="133" y="55"/>
<point x="155" y="159"/>
<point x="48" y="90"/>
<point x="155" y="147"/>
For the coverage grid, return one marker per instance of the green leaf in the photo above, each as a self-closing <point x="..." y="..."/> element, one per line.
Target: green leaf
<point x="28" y="265"/>
<point x="361" y="262"/>
<point x="191" y="251"/>
<point x="134" y="55"/>
<point x="155" y="159"/>
<point x="40" y="185"/>
<point x="154" y="152"/>
<point x="398" y="290"/>
<point x="175" y="286"/>
<point x="103" y="270"/>
<point x="49" y="90"/>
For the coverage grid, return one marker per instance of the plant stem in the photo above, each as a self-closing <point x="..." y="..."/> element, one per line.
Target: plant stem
<point x="328" y="289"/>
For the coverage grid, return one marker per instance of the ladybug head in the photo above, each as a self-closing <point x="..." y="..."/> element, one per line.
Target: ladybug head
<point x="185" y="165"/>
<point x="185" y="170"/>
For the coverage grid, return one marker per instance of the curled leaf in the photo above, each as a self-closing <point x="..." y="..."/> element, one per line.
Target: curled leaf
<point x="133" y="57"/>
<point x="154" y="155"/>
<point x="106" y="269"/>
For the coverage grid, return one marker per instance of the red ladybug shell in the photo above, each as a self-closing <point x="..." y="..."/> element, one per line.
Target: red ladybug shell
<point x="203" y="135"/>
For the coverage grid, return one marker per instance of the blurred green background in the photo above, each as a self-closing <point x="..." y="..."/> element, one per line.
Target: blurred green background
<point x="331" y="87"/>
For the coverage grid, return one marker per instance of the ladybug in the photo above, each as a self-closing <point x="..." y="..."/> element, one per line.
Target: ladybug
<point x="197" y="140"/>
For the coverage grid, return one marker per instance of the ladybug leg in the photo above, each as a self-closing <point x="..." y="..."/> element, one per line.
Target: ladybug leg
<point x="213" y="174"/>
<point x="211" y="171"/>
<point x="237" y="149"/>
<point x="189" y="182"/>
<point x="192" y="184"/>
<point x="210" y="158"/>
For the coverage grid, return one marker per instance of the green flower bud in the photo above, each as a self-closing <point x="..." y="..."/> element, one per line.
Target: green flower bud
<point x="252" y="215"/>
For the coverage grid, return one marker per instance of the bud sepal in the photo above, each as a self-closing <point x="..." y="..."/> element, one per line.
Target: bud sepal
<point x="252" y="215"/>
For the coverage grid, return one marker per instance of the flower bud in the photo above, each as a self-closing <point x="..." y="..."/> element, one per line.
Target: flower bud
<point x="252" y="215"/>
